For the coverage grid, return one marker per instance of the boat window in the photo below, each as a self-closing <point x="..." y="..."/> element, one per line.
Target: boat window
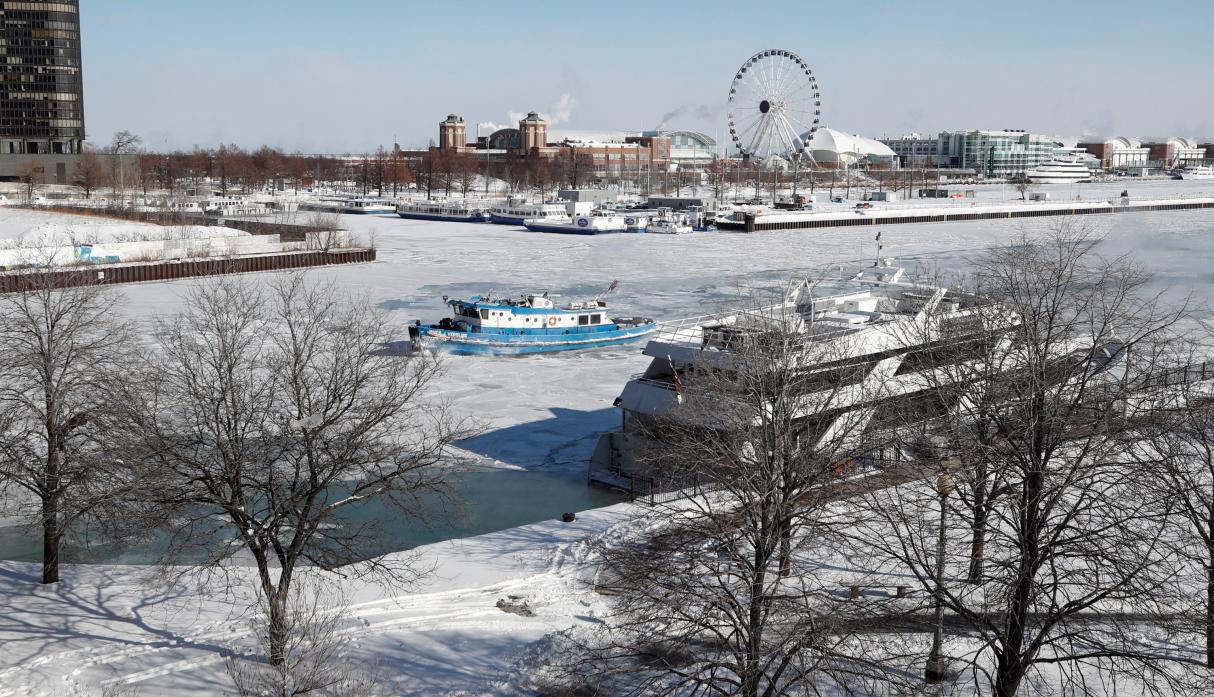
<point x="484" y="314"/>
<point x="595" y="319"/>
<point x="583" y="319"/>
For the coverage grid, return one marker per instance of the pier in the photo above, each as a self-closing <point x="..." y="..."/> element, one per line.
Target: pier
<point x="783" y="220"/>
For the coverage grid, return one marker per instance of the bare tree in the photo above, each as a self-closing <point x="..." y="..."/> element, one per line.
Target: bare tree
<point x="1032" y="385"/>
<point x="315" y="660"/>
<point x="1023" y="186"/>
<point x="270" y="417"/>
<point x="326" y="230"/>
<point x="1180" y="435"/>
<point x="64" y="352"/>
<point x="121" y="151"/>
<point x="31" y="174"/>
<point x="89" y="172"/>
<point x="725" y="598"/>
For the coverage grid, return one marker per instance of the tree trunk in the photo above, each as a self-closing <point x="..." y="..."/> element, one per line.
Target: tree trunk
<point x="1010" y="669"/>
<point x="978" y="542"/>
<point x="277" y="627"/>
<point x="1008" y="676"/>
<point x="1210" y="614"/>
<point x="50" y="539"/>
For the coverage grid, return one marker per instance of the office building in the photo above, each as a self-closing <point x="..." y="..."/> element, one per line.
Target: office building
<point x="41" y="88"/>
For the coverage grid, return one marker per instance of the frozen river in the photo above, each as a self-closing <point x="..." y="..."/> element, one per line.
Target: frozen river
<point x="543" y="413"/>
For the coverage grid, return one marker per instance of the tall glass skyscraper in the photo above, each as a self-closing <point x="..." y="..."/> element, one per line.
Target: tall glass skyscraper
<point x="41" y="86"/>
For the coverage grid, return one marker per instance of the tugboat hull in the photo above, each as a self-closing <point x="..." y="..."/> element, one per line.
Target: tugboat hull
<point x="535" y="340"/>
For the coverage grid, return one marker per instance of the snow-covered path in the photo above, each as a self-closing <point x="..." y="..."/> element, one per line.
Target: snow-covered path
<point x="120" y="625"/>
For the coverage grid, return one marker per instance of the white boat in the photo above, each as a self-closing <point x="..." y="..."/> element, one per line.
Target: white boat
<point x="350" y="205"/>
<point x="1060" y="170"/>
<point x="580" y="225"/>
<point x="516" y="211"/>
<point x="452" y="211"/>
<point x="1197" y="172"/>
<point x="669" y="226"/>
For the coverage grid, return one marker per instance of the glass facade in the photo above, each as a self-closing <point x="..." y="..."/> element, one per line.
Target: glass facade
<point x="995" y="153"/>
<point x="41" y="86"/>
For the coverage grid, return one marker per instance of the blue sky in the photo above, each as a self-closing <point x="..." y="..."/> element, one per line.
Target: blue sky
<point x="303" y="75"/>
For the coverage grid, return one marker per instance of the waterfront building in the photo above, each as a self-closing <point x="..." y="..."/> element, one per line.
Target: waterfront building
<point x="41" y="89"/>
<point x="452" y="133"/>
<point x="1176" y="151"/>
<point x="996" y="154"/>
<point x="586" y="156"/>
<point x="533" y="130"/>
<point x="831" y="148"/>
<point x="690" y="150"/>
<point x="1118" y="152"/>
<point x="914" y="151"/>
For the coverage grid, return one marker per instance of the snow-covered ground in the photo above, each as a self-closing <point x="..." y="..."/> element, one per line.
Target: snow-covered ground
<point x="35" y="228"/>
<point x="543" y="413"/>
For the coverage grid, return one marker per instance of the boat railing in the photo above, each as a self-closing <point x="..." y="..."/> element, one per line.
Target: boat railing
<point x="655" y="382"/>
<point x="689" y="330"/>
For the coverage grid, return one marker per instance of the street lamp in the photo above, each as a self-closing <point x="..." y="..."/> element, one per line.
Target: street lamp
<point x="937" y="664"/>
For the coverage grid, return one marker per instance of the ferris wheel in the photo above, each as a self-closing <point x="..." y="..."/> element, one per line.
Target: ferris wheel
<point x="774" y="105"/>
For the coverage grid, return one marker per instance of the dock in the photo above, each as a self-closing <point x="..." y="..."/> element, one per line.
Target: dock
<point x="799" y="220"/>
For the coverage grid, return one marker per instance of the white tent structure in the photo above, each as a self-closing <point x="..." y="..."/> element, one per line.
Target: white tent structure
<point x="829" y="146"/>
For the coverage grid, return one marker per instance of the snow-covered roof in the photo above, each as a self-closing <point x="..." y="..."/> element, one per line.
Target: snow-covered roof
<point x="589" y="136"/>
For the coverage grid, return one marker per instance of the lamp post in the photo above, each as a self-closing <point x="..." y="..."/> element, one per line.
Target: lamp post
<point x="936" y="663"/>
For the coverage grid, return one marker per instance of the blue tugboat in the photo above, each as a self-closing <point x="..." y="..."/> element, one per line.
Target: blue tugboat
<point x="532" y="324"/>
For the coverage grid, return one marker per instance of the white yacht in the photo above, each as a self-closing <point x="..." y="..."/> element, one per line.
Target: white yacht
<point x="1197" y="172"/>
<point x="1060" y="170"/>
<point x="350" y="205"/>
<point x="868" y="349"/>
<point x="450" y="211"/>
<point x="515" y="211"/>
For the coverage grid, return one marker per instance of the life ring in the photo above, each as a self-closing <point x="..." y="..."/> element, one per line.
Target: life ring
<point x="552" y="321"/>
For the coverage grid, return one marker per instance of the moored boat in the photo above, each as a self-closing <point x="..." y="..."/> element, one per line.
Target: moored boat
<point x="532" y="324"/>
<point x="515" y="211"/>
<point x="451" y="211"/>
<point x="1061" y="170"/>
<point x="580" y="225"/>
<point x="1196" y="172"/>
<point x="350" y="206"/>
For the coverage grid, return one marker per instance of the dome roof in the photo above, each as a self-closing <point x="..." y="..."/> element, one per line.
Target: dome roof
<point x="829" y="145"/>
<point x="1122" y="143"/>
<point x="1179" y="142"/>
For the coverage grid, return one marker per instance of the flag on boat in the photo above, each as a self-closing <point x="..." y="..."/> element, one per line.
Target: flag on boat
<point x="878" y="235"/>
<point x="614" y="284"/>
<point x="678" y="384"/>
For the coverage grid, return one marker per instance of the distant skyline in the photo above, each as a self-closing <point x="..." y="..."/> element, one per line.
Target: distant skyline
<point x="318" y="76"/>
